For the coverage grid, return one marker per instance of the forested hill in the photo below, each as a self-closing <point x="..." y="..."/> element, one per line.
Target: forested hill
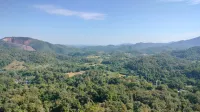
<point x="8" y="55"/>
<point x="93" y="81"/>
<point x="31" y="44"/>
<point x="190" y="54"/>
<point x="184" y="44"/>
<point x="148" y="48"/>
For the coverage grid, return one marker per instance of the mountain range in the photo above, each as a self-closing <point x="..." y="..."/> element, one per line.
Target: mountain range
<point x="183" y="44"/>
<point x="30" y="44"/>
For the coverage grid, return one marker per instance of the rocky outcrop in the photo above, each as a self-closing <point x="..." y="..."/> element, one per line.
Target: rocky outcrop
<point x="23" y="43"/>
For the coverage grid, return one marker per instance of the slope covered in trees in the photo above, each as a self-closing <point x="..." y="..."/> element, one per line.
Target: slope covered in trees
<point x="35" y="45"/>
<point x="190" y="54"/>
<point x="111" y="81"/>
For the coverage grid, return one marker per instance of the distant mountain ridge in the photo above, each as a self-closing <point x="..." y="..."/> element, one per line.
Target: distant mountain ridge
<point x="183" y="44"/>
<point x="148" y="48"/>
<point x="186" y="43"/>
<point x="178" y="45"/>
<point x="30" y="44"/>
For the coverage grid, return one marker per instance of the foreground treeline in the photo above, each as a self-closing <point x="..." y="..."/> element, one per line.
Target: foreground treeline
<point x="111" y="82"/>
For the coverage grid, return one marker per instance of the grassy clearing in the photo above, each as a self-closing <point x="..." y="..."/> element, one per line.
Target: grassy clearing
<point x="15" y="65"/>
<point x="72" y="74"/>
<point x="115" y="74"/>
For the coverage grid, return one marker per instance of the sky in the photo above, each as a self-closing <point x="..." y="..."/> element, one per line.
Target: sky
<point x="100" y="22"/>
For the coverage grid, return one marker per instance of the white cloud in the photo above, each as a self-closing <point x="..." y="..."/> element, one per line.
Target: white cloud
<point x="51" y="9"/>
<point x="171" y="0"/>
<point x="193" y="2"/>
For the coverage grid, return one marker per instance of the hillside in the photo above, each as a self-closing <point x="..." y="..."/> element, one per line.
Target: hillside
<point x="178" y="45"/>
<point x="97" y="82"/>
<point x="184" y="44"/>
<point x="116" y="80"/>
<point x="146" y="48"/>
<point x="8" y="55"/>
<point x="190" y="54"/>
<point x="31" y="44"/>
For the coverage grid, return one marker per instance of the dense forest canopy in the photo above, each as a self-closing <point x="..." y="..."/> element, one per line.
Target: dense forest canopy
<point x="99" y="79"/>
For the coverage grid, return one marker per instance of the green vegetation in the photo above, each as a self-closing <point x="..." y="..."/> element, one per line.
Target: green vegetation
<point x="38" y="45"/>
<point x="91" y="80"/>
<point x="190" y="54"/>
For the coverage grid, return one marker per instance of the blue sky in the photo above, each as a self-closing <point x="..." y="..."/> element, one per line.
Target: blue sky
<point x="101" y="22"/>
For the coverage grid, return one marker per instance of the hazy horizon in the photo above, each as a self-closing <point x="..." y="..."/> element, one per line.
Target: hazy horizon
<point x="103" y="22"/>
<point x="99" y="44"/>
